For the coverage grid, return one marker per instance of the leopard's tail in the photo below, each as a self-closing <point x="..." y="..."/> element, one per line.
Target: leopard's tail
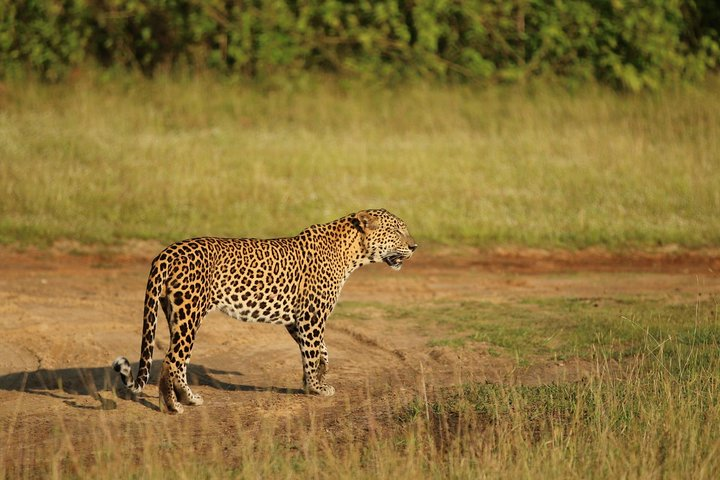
<point x="154" y="294"/>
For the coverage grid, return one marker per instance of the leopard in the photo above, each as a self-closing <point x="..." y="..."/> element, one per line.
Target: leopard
<point x="293" y="281"/>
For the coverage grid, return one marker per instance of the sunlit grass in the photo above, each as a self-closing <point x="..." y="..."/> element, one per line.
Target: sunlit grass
<point x="560" y="328"/>
<point x="649" y="423"/>
<point x="106" y="161"/>
<point x="647" y="407"/>
<point x="647" y="419"/>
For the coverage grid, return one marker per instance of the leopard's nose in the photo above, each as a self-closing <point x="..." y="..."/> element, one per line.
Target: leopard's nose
<point x="413" y="247"/>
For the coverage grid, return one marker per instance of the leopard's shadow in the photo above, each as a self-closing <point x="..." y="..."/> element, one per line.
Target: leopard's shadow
<point x="98" y="382"/>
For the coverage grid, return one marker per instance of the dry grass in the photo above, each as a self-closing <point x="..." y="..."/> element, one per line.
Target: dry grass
<point x="649" y="424"/>
<point x="106" y="161"/>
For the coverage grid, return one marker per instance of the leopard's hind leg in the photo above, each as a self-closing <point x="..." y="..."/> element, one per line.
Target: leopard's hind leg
<point x="174" y="388"/>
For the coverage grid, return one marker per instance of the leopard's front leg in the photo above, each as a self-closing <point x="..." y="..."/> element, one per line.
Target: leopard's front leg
<point x="324" y="363"/>
<point x="313" y="378"/>
<point x="314" y="357"/>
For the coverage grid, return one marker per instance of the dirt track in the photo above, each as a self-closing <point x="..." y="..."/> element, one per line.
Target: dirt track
<point x="64" y="318"/>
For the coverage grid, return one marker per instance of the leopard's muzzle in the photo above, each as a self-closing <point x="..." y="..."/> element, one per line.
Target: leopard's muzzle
<point x="396" y="259"/>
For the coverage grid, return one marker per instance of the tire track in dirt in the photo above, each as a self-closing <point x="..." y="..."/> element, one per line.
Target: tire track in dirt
<point x="371" y="342"/>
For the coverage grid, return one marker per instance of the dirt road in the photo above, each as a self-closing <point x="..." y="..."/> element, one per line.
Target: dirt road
<point x="65" y="317"/>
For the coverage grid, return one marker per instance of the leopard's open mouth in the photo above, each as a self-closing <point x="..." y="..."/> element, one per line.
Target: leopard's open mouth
<point x="394" y="261"/>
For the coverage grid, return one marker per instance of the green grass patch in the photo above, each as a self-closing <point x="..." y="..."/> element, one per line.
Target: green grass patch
<point x="650" y="404"/>
<point x="106" y="161"/>
<point x="648" y="408"/>
<point x="588" y="431"/>
<point x="653" y="421"/>
<point x="560" y="328"/>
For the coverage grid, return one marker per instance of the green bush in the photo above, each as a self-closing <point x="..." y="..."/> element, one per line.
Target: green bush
<point x="44" y="36"/>
<point x="630" y="44"/>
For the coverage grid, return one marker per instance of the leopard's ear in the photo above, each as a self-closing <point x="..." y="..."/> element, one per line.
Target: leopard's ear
<point x="367" y="220"/>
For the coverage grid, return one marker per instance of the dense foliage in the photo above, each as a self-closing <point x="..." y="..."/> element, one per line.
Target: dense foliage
<point x="632" y="44"/>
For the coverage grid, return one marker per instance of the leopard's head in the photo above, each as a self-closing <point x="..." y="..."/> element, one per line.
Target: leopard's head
<point x="386" y="237"/>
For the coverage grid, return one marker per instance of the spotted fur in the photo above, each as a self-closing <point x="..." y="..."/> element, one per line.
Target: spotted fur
<point x="293" y="282"/>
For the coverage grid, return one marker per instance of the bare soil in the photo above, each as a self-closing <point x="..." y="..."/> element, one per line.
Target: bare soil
<point x="64" y="317"/>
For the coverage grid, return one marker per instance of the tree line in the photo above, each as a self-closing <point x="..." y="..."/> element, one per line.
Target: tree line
<point x="628" y="44"/>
